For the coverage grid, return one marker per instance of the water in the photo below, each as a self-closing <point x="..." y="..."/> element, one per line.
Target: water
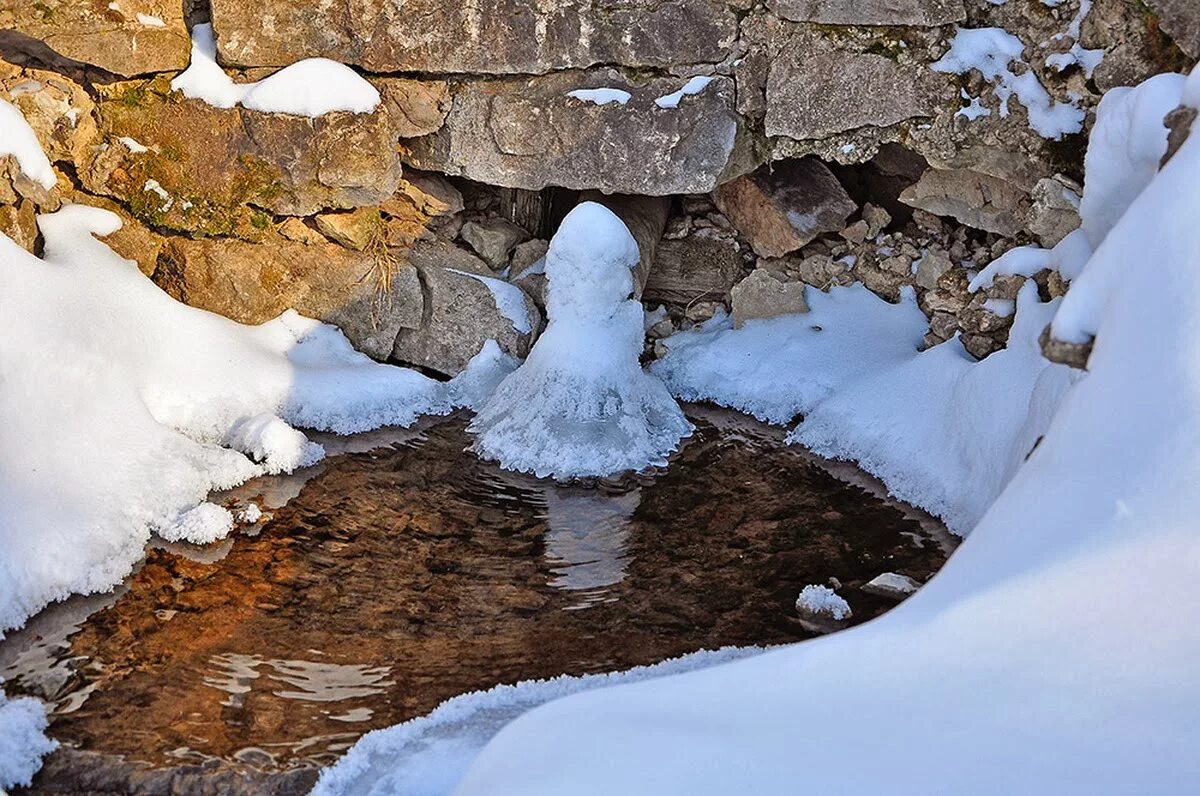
<point x="385" y="581"/>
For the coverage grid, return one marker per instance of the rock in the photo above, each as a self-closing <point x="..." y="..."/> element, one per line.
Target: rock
<point x="416" y="107"/>
<point x="1054" y="209"/>
<point x="922" y="13"/>
<point x="59" y="110"/>
<point x="423" y="203"/>
<point x="876" y="217"/>
<point x="693" y="269"/>
<point x="19" y="222"/>
<point x="975" y="199"/>
<point x="527" y="269"/>
<point x="295" y="229"/>
<point x="980" y="345"/>
<point x="816" y="94"/>
<point x="460" y="313"/>
<point x="528" y="254"/>
<point x="354" y="229"/>
<point x="1179" y="19"/>
<point x="1074" y="355"/>
<point x="133" y="37"/>
<point x="702" y="311"/>
<point x="783" y="206"/>
<point x="485" y="37"/>
<point x="493" y="239"/>
<point x="856" y="232"/>
<point x="761" y="295"/>
<point x="528" y="133"/>
<point x="892" y="586"/>
<point x="1179" y="124"/>
<point x="213" y="171"/>
<point x="932" y="266"/>
<point x="133" y="240"/>
<point x="820" y="610"/>
<point x="370" y="297"/>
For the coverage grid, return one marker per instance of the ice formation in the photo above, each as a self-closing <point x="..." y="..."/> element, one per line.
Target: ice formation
<point x="22" y="741"/>
<point x="311" y="87"/>
<point x="581" y="405"/>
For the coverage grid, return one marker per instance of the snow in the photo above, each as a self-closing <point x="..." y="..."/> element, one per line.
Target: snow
<point x="429" y="754"/>
<point x="151" y="21"/>
<point x="600" y="96"/>
<point x="133" y="145"/>
<point x="18" y="139"/>
<point x="693" y="86"/>
<point x="974" y="109"/>
<point x="822" y="600"/>
<point x="510" y="300"/>
<point x="581" y="405"/>
<point x="480" y="378"/>
<point x="311" y="87"/>
<point x="991" y="51"/>
<point x="168" y="402"/>
<point x="22" y="742"/>
<point x="1054" y="653"/>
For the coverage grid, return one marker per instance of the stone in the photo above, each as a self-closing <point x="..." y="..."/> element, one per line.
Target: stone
<point x="527" y="269"/>
<point x="295" y="229"/>
<point x="528" y="133"/>
<point x="355" y="229"/>
<point x="816" y="94"/>
<point x="493" y="239"/>
<point x="59" y="110"/>
<point x="876" y="217"/>
<point x="935" y="263"/>
<point x="133" y="241"/>
<point x="1179" y="124"/>
<point x="980" y="346"/>
<point x="133" y="37"/>
<point x="702" y="311"/>
<point x="484" y="37"/>
<point x="856" y="232"/>
<point x="423" y="205"/>
<point x="1054" y="209"/>
<point x="416" y="107"/>
<point x="783" y="206"/>
<point x="891" y="585"/>
<point x="370" y="296"/>
<point x="1179" y="19"/>
<point x="920" y="13"/>
<point x="460" y="313"/>
<point x="19" y="222"/>
<point x="1074" y="355"/>
<point x="693" y="269"/>
<point x="214" y="171"/>
<point x="975" y="199"/>
<point x="761" y="295"/>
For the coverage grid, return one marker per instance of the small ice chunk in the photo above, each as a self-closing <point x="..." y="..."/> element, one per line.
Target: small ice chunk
<point x="202" y="524"/>
<point x="250" y="514"/>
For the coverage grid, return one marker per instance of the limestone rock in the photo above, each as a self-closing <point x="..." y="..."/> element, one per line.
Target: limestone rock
<point x="1180" y="19"/>
<point x="693" y="269"/>
<point x="19" y="222"/>
<point x="892" y="586"/>
<point x="422" y="204"/>
<point x="484" y="37"/>
<point x="493" y="239"/>
<point x="932" y="266"/>
<point x="975" y="199"/>
<point x="528" y="133"/>
<point x="460" y="313"/>
<point x="354" y="229"/>
<point x="416" y="107"/>
<point x="816" y="94"/>
<point x="369" y="297"/>
<point x="295" y="229"/>
<point x="1054" y="212"/>
<point x="58" y="109"/>
<point x="783" y="206"/>
<point x="1075" y="355"/>
<point x="761" y="295"/>
<point x="133" y="37"/>
<point x="924" y="13"/>
<point x="185" y="165"/>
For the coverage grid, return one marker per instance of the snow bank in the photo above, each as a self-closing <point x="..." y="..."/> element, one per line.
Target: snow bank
<point x="1054" y="653"/>
<point x="428" y="755"/>
<point x="22" y="741"/>
<point x="311" y="87"/>
<point x="581" y="405"/>
<point x="120" y="409"/>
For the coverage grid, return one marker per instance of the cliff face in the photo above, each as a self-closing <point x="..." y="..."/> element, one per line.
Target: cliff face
<point x="928" y="153"/>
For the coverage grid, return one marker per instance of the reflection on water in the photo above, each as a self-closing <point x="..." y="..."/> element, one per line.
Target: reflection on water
<point x="397" y="577"/>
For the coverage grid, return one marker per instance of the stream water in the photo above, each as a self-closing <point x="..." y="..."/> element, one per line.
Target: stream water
<point x="403" y="571"/>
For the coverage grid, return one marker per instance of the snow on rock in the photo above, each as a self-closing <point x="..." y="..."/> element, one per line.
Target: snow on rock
<point x="510" y="300"/>
<point x="121" y="409"/>
<point x="480" y="378"/>
<point x="18" y="139"/>
<point x="600" y="96"/>
<point x="891" y="585"/>
<point x="693" y="86"/>
<point x="991" y="51"/>
<point x="581" y="405"/>
<point x="23" y="743"/>
<point x="1061" y="634"/>
<point x="817" y="600"/>
<point x="428" y="755"/>
<point x="311" y="87"/>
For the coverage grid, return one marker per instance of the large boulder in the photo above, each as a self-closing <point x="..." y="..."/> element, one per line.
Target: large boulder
<point x="128" y="38"/>
<point x="533" y="132"/>
<point x="480" y="37"/>
<point x="182" y="164"/>
<point x="783" y="206"/>
<point x="693" y="269"/>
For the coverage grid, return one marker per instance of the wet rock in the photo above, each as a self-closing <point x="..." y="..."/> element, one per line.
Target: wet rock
<point x="977" y="200"/>
<point x="133" y="37"/>
<point x="693" y="269"/>
<point x="924" y="13"/>
<point x="892" y="586"/>
<point x="493" y="239"/>
<point x="487" y="37"/>
<point x="528" y="133"/>
<point x="416" y="107"/>
<point x="461" y="312"/>
<point x="1054" y="209"/>
<point x="355" y="229"/>
<point x="195" y="168"/>
<point x="762" y="295"/>
<point x="370" y="296"/>
<point x="783" y="206"/>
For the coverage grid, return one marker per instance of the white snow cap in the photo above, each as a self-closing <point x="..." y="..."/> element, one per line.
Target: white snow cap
<point x="311" y="87"/>
<point x="18" y="139"/>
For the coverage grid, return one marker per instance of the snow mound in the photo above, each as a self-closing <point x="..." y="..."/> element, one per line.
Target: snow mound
<point x="581" y="405"/>
<point x="311" y="87"/>
<point x="18" y="139"/>
<point x="23" y="743"/>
